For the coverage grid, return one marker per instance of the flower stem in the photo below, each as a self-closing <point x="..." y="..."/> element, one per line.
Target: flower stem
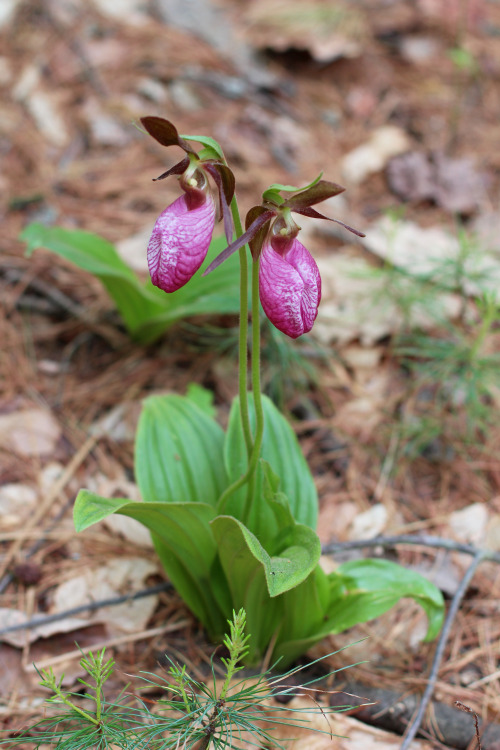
<point x="253" y="446"/>
<point x="243" y="334"/>
<point x="257" y="396"/>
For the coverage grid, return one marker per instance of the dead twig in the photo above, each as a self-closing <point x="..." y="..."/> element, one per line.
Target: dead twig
<point x="478" y="555"/>
<point x="414" y="725"/>
<point x="52" y="495"/>
<point x="422" y="541"/>
<point x="112" y="601"/>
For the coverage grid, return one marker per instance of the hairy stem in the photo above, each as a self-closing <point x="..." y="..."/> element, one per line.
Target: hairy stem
<point x="257" y="397"/>
<point x="243" y="334"/>
<point x="248" y="477"/>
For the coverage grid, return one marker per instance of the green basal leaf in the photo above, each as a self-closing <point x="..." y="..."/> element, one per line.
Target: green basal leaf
<point x="256" y="579"/>
<point x="179" y="452"/>
<point x="304" y="617"/>
<point x="276" y="187"/>
<point x="203" y="398"/>
<point x="207" y="141"/>
<point x="215" y="294"/>
<point x="282" y="452"/>
<point x="183" y="540"/>
<point x="90" y="508"/>
<point x="371" y="587"/>
<point x="146" y="311"/>
<point x="277" y="500"/>
<point x="299" y="552"/>
<point x="97" y="256"/>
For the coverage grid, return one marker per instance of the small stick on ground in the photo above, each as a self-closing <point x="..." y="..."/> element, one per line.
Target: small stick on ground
<point x="414" y="726"/>
<point x="476" y="721"/>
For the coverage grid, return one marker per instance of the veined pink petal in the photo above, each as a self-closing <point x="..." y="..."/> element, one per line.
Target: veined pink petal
<point x="290" y="288"/>
<point x="179" y="242"/>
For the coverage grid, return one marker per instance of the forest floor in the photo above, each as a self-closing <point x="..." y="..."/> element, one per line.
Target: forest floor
<point x="399" y="102"/>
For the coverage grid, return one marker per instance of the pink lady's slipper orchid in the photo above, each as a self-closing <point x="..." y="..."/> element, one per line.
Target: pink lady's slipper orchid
<point x="290" y="288"/>
<point x="289" y="283"/>
<point x="183" y="231"/>
<point x="289" y="280"/>
<point x="181" y="238"/>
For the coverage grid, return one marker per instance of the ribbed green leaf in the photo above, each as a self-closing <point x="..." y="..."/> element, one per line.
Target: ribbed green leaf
<point x="146" y="311"/>
<point x="259" y="581"/>
<point x="179" y="452"/>
<point x="304" y="623"/>
<point x="215" y="294"/>
<point x="183" y="539"/>
<point x="371" y="587"/>
<point x="93" y="254"/>
<point x="281" y="450"/>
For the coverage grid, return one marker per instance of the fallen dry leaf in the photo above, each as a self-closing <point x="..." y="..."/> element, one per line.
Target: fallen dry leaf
<point x="430" y="252"/>
<point x="347" y="311"/>
<point x="469" y="524"/>
<point x="372" y="156"/>
<point x="118" y="576"/>
<point x="336" y="732"/>
<point x="327" y="31"/>
<point x="16" y="503"/>
<point x="369" y="524"/>
<point x="133" y="249"/>
<point x="453" y="184"/>
<point x="32" y="432"/>
<point x="19" y="638"/>
<point x="119" y="423"/>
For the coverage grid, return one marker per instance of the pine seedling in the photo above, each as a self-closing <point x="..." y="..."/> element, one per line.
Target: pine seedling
<point x="193" y="716"/>
<point x="457" y="368"/>
<point x="76" y="728"/>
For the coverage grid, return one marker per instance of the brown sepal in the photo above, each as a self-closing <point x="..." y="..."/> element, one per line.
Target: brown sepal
<point x="315" y="194"/>
<point x="178" y="168"/>
<point x="165" y="133"/>
<point x="313" y="214"/>
<point x="224" y="179"/>
<point x="256" y="242"/>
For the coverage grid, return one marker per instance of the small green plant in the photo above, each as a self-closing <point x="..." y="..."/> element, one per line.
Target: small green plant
<point x="452" y="375"/>
<point x="452" y="367"/>
<point x="146" y="311"/>
<point x="100" y="672"/>
<point x="192" y="714"/>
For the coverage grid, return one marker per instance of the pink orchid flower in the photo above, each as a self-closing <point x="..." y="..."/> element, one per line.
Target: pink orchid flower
<point x="289" y="280"/>
<point x="180" y="239"/>
<point x="182" y="233"/>
<point x="289" y="285"/>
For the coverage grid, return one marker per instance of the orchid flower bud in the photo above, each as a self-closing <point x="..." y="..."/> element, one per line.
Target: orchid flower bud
<point x="289" y="283"/>
<point x="182" y="234"/>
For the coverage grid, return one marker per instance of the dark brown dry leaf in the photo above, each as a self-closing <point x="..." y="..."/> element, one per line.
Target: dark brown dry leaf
<point x="410" y="176"/>
<point x="458" y="185"/>
<point x="453" y="184"/>
<point x="328" y="31"/>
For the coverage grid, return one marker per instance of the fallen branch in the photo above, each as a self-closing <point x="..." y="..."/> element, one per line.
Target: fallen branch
<point x="478" y="555"/>
<point x="416" y="722"/>
<point x="422" y="541"/>
<point x="35" y="622"/>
